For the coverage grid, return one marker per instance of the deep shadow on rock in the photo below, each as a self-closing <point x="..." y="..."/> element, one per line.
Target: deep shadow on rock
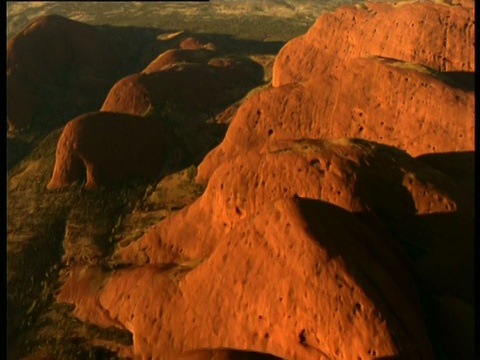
<point x="297" y="240"/>
<point x="223" y="354"/>
<point x="193" y="86"/>
<point x="452" y="322"/>
<point x="458" y="165"/>
<point x="102" y="147"/>
<point x="77" y="72"/>
<point x="57" y="61"/>
<point x="463" y="79"/>
<point x="86" y="60"/>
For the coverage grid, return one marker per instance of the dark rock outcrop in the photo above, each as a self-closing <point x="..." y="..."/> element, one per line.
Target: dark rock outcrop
<point x="193" y="44"/>
<point x="106" y="147"/>
<point x="55" y="60"/>
<point x="198" y="85"/>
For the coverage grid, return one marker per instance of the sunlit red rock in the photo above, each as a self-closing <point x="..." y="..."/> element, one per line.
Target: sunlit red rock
<point x="239" y="212"/>
<point x="317" y="223"/>
<point x="376" y="99"/>
<point x="175" y="56"/>
<point x="333" y="300"/>
<point x="412" y="205"/>
<point x="436" y="35"/>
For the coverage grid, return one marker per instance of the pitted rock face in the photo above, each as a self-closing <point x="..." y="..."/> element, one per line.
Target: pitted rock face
<point x="387" y="186"/>
<point x="354" y="174"/>
<point x="436" y="35"/>
<point x="106" y="147"/>
<point x="221" y="298"/>
<point x="249" y="225"/>
<point x="307" y="239"/>
<point x="376" y="99"/>
<point x="51" y="54"/>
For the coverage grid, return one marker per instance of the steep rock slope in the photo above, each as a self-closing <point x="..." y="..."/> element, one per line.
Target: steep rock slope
<point x="376" y="99"/>
<point x="436" y="35"/>
<point x="331" y="289"/>
<point x="304" y="245"/>
<point x="240" y="215"/>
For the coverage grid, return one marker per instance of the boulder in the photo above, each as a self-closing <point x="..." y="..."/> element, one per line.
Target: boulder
<point x="191" y="43"/>
<point x="51" y="55"/>
<point x="175" y="56"/>
<point x="192" y="86"/>
<point x="106" y="147"/>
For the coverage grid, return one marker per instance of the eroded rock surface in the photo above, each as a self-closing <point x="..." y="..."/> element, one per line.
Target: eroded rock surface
<point x="317" y="226"/>
<point x="251" y="229"/>
<point x="413" y="206"/>
<point x="376" y="99"/>
<point x="222" y="297"/>
<point x="432" y="34"/>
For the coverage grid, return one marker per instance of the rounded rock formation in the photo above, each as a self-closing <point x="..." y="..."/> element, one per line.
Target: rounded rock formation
<point x="175" y="56"/>
<point x="105" y="147"/>
<point x="195" y="86"/>
<point x="53" y="54"/>
<point x="376" y="99"/>
<point x="317" y="250"/>
<point x="247" y="216"/>
<point x="191" y="43"/>
<point x="317" y="225"/>
<point x="436" y="35"/>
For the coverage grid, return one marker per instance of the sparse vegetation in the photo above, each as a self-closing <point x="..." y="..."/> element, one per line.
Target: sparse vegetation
<point x="100" y="219"/>
<point x="48" y="231"/>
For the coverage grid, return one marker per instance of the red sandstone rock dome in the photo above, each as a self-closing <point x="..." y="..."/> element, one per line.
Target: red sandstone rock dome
<point x="435" y="35"/>
<point x="104" y="147"/>
<point x="376" y="99"/>
<point x="298" y="246"/>
<point x="195" y="85"/>
<point x="53" y="54"/>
